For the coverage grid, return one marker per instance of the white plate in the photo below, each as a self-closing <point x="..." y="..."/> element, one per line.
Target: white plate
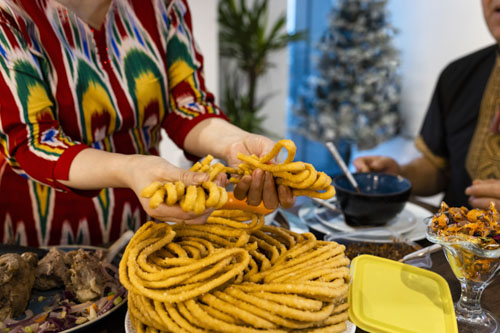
<point x="351" y="328"/>
<point x="129" y="328"/>
<point x="306" y="213"/>
<point x="402" y="223"/>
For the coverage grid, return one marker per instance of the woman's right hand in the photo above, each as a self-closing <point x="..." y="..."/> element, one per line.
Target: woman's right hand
<point x="377" y="164"/>
<point x="145" y="170"/>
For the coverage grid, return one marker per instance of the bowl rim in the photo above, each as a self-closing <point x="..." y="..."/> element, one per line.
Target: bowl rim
<point x="458" y="240"/>
<point x="410" y="186"/>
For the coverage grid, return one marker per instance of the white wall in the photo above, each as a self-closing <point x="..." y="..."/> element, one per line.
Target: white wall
<point x="204" y="17"/>
<point x="432" y="33"/>
<point x="275" y="81"/>
<point x="205" y="30"/>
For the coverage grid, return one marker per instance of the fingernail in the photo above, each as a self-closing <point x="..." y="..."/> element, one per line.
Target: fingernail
<point x="468" y="190"/>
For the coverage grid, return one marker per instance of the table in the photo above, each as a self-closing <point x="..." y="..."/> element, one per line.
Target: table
<point x="490" y="300"/>
<point x="114" y="323"/>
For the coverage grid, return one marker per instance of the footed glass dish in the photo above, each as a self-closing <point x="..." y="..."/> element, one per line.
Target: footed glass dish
<point x="475" y="267"/>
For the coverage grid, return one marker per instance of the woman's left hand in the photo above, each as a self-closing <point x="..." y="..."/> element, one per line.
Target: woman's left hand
<point x="482" y="192"/>
<point x="260" y="186"/>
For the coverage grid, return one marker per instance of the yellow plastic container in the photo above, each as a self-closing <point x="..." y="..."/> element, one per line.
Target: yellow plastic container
<point x="389" y="296"/>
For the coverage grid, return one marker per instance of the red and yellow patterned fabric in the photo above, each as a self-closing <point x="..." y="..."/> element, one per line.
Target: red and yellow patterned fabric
<point x="65" y="86"/>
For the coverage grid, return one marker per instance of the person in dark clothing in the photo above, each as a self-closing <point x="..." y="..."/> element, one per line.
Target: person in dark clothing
<point x="460" y="135"/>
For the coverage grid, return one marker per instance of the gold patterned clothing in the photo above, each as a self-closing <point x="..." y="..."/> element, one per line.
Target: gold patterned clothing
<point x="455" y="134"/>
<point x="483" y="159"/>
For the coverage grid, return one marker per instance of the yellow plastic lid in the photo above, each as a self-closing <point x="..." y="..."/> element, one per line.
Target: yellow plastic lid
<point x="389" y="296"/>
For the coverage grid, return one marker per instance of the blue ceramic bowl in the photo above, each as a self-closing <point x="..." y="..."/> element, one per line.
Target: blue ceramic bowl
<point x="382" y="196"/>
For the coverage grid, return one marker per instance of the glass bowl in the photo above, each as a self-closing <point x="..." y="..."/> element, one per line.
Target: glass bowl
<point x="475" y="267"/>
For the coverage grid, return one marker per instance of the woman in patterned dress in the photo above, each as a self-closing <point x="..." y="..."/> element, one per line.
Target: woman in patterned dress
<point x="86" y="86"/>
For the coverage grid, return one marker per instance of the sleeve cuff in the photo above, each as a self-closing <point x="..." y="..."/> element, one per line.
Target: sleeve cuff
<point x="438" y="161"/>
<point x="61" y="171"/>
<point x="179" y="130"/>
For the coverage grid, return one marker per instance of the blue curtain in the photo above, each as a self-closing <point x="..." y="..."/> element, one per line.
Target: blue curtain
<point x="311" y="16"/>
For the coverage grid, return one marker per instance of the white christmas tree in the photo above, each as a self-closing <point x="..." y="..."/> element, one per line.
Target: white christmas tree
<point x="354" y="94"/>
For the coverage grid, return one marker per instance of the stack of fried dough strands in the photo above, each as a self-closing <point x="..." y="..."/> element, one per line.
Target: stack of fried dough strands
<point x="301" y="177"/>
<point x="235" y="274"/>
<point x="225" y="278"/>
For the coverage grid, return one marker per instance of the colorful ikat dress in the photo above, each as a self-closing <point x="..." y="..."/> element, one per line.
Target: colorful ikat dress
<point x="65" y="86"/>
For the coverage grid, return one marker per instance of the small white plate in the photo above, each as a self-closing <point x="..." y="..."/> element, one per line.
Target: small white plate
<point x="306" y="213"/>
<point x="402" y="223"/>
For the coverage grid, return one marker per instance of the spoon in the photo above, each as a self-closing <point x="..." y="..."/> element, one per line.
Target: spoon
<point x="368" y="234"/>
<point x="422" y="252"/>
<point x="341" y="163"/>
<point x="325" y="204"/>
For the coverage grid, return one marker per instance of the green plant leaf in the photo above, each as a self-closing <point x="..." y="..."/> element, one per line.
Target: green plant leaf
<point x="247" y="37"/>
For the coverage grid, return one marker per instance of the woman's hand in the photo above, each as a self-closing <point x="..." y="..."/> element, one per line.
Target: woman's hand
<point x="482" y="192"/>
<point x="224" y="141"/>
<point x="260" y="186"/>
<point x="136" y="172"/>
<point x="377" y="163"/>
<point x="144" y="170"/>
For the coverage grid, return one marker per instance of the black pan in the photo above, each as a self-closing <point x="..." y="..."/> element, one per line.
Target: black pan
<point x="12" y="248"/>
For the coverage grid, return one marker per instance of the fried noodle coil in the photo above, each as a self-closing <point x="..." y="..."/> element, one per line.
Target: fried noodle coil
<point x="226" y="278"/>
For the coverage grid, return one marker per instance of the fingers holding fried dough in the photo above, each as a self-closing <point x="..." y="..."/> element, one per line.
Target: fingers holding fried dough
<point x="259" y="180"/>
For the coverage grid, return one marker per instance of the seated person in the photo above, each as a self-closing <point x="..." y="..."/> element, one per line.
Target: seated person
<point x="460" y="136"/>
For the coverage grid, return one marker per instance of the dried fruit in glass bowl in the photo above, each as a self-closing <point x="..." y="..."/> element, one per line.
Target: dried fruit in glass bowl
<point x="481" y="227"/>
